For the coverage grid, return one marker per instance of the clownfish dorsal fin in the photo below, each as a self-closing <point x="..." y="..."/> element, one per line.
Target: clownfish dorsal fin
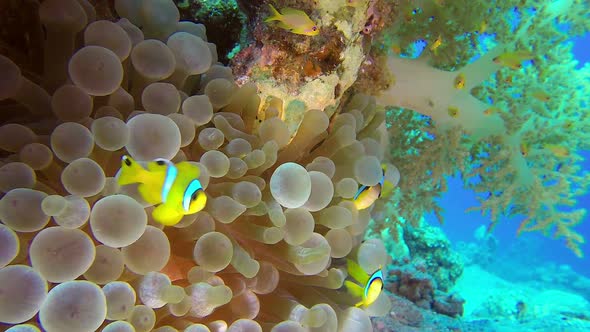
<point x="357" y="272"/>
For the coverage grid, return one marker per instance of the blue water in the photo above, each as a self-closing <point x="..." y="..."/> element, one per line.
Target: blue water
<point x="460" y="226"/>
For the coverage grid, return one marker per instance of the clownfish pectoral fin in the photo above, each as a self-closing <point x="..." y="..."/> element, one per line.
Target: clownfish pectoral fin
<point x="166" y="215"/>
<point x="131" y="172"/>
<point x="354" y="289"/>
<point x="357" y="272"/>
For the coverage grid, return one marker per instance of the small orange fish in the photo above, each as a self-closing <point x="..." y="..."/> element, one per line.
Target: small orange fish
<point x="513" y="60"/>
<point x="491" y="110"/>
<point x="460" y="81"/>
<point x="397" y="50"/>
<point x="558" y="150"/>
<point x="453" y="112"/>
<point x="541" y="95"/>
<point x="483" y="26"/>
<point x="524" y="149"/>
<point x="293" y="20"/>
<point x="436" y="44"/>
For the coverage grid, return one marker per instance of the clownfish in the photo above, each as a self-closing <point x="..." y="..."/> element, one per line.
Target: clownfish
<point x="174" y="188"/>
<point x="367" y="195"/>
<point x="371" y="285"/>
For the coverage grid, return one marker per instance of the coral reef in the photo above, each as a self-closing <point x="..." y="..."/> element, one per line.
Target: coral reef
<point x="223" y="20"/>
<point x="497" y="298"/>
<point x="430" y="247"/>
<point x="313" y="71"/>
<point x="506" y="262"/>
<point x="80" y="253"/>
<point x="484" y="250"/>
<point x="283" y="137"/>
<point x="411" y="281"/>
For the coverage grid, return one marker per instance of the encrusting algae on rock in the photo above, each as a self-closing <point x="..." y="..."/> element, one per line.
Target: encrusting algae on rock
<point x="256" y="244"/>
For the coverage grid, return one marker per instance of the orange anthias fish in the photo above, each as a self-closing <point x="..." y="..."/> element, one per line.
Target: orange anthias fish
<point x="453" y="111"/>
<point x="460" y="81"/>
<point x="491" y="110"/>
<point x="293" y="20"/>
<point x="541" y="95"/>
<point x="513" y="60"/>
<point x="558" y="150"/>
<point x="436" y="44"/>
<point x="524" y="149"/>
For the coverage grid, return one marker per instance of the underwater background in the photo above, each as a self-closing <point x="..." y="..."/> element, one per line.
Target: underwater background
<point x="294" y="165"/>
<point x="460" y="226"/>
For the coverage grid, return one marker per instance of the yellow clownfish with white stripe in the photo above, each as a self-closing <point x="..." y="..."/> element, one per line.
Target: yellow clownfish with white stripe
<point x="367" y="195"/>
<point x="371" y="285"/>
<point x="175" y="189"/>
